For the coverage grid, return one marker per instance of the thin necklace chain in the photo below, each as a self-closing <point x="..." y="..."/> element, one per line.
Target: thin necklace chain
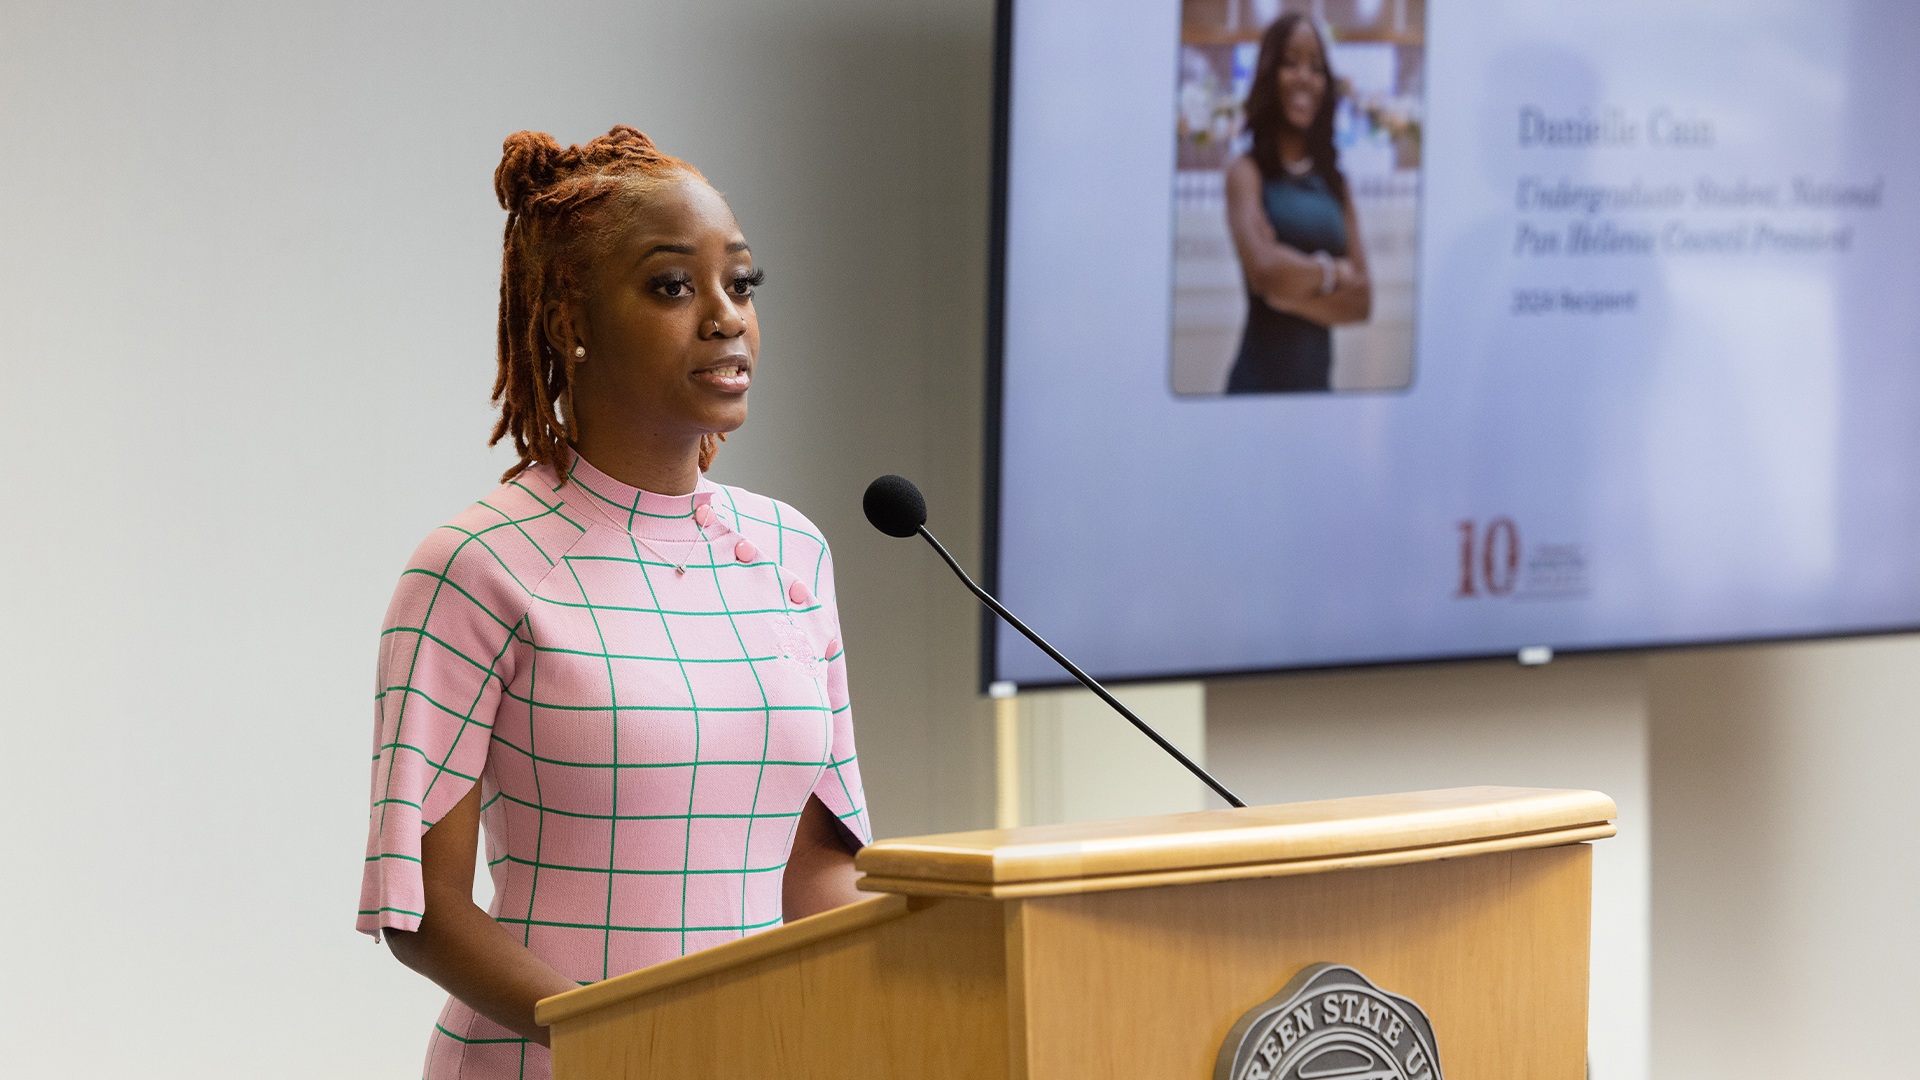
<point x="680" y="565"/>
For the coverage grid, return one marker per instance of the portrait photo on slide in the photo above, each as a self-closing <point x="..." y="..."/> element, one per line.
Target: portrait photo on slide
<point x="1295" y="195"/>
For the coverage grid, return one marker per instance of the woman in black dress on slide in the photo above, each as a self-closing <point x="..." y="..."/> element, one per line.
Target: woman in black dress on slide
<point x="1292" y="221"/>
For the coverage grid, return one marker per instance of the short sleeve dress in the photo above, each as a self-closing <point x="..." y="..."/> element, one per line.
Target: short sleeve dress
<point x="647" y="689"/>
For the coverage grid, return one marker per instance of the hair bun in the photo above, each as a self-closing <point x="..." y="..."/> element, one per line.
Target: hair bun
<point x="529" y="163"/>
<point x="533" y="161"/>
<point x="624" y="137"/>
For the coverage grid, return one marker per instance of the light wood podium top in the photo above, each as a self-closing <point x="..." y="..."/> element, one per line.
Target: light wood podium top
<point x="1219" y="845"/>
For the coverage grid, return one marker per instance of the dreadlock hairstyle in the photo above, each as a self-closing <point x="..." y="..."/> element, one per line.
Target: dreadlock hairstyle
<point x="561" y="205"/>
<point x="1266" y="118"/>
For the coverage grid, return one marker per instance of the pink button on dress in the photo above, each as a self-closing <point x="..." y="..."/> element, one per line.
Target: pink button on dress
<point x="644" y="739"/>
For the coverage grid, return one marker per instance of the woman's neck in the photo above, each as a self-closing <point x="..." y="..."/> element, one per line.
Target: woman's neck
<point x="664" y="467"/>
<point x="1292" y="148"/>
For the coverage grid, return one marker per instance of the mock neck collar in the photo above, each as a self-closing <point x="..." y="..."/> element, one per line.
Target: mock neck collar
<point x="646" y="513"/>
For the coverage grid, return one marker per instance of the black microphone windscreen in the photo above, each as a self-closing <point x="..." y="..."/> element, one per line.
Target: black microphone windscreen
<point x="895" y="506"/>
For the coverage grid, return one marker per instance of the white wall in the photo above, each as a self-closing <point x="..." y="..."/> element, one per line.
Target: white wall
<point x="246" y="335"/>
<point x="1786" y="914"/>
<point x="1074" y="759"/>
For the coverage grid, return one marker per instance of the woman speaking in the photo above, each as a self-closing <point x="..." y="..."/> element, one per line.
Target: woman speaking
<point x="630" y="675"/>
<point x="1292" y="220"/>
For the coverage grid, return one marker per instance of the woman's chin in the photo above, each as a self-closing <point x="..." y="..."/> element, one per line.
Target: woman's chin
<point x="727" y="420"/>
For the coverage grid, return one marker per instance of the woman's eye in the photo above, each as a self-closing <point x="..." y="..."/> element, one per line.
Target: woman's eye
<point x="673" y="287"/>
<point x="745" y="284"/>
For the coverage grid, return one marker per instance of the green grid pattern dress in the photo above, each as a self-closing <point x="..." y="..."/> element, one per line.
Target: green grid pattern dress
<point x="647" y="689"/>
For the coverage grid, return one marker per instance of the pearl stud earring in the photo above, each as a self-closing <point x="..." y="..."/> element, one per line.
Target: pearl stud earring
<point x="579" y="352"/>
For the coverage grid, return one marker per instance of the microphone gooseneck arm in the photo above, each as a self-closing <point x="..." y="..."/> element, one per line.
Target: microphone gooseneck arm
<point x="1086" y="680"/>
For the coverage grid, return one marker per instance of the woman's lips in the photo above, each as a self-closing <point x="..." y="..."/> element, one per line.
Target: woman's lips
<point x="731" y="377"/>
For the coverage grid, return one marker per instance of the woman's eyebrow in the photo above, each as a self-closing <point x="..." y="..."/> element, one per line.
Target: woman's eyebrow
<point x="684" y="249"/>
<point x="673" y="249"/>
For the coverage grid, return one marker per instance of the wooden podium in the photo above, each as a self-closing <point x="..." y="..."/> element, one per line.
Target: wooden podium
<point x="1130" y="949"/>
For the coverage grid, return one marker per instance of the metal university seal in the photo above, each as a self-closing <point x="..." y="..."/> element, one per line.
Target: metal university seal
<point x="1330" y="1023"/>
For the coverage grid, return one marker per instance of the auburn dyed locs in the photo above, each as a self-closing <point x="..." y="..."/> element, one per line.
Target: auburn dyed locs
<point x="561" y="206"/>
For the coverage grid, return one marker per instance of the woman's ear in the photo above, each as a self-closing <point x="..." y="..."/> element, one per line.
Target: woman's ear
<point x="557" y="321"/>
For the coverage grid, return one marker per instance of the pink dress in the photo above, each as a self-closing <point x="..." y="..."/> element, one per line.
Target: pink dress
<point x="647" y="689"/>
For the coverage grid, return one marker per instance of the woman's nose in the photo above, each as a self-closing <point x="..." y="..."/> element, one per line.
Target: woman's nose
<point x="724" y="320"/>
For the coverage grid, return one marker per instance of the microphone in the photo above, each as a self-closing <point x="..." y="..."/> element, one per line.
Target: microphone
<point x="896" y="507"/>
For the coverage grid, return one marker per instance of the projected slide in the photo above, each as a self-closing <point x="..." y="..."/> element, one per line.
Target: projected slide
<point x="1637" y="360"/>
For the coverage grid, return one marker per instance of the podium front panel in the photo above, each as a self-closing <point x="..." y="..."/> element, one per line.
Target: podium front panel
<point x="921" y="995"/>
<point x="1146" y="983"/>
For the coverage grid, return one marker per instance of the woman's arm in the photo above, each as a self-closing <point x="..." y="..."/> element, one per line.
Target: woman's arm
<point x="1287" y="278"/>
<point x="1351" y="300"/>
<point x="820" y="874"/>
<point x="459" y="946"/>
<point x="1274" y="271"/>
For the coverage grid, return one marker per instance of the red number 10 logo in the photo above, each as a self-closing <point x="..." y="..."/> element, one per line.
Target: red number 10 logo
<point x="1489" y="558"/>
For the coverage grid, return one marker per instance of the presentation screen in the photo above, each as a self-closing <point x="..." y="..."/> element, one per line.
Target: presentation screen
<point x="1339" y="332"/>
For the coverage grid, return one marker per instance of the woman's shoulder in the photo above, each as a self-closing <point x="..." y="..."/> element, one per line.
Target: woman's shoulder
<point x="510" y="538"/>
